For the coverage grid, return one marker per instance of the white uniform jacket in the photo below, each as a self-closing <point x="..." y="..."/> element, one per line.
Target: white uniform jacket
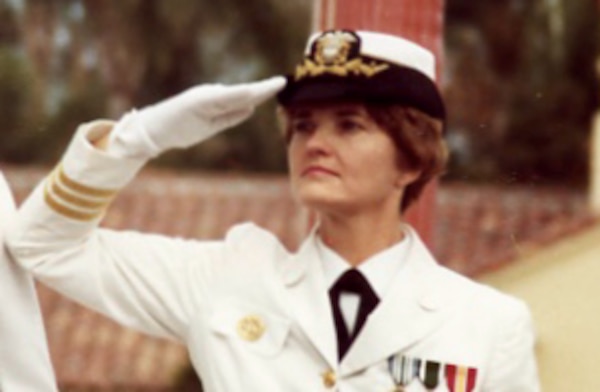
<point x="254" y="316"/>
<point x="24" y="361"/>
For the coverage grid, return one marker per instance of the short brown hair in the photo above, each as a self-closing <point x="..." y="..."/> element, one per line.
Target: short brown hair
<point x="419" y="142"/>
<point x="417" y="136"/>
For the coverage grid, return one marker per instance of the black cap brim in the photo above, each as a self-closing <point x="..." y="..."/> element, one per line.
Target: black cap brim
<point x="397" y="85"/>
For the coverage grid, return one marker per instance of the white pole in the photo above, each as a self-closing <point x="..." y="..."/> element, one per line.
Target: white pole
<point x="323" y="14"/>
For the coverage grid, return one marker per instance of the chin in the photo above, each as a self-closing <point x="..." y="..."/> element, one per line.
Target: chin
<point x="321" y="201"/>
<point x="320" y="196"/>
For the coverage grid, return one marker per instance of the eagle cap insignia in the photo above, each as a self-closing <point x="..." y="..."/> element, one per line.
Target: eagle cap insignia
<point x="335" y="47"/>
<point x="337" y="52"/>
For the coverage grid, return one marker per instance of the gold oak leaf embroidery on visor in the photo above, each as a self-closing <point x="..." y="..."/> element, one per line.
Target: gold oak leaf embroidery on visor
<point x="356" y="67"/>
<point x="73" y="199"/>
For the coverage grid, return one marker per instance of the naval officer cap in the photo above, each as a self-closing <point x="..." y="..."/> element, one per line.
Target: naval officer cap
<point x="364" y="66"/>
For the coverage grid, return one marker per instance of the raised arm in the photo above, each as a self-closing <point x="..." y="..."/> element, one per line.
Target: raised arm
<point x="141" y="281"/>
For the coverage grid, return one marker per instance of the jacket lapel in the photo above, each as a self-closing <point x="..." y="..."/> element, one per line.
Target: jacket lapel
<point x="410" y="311"/>
<point x="309" y="299"/>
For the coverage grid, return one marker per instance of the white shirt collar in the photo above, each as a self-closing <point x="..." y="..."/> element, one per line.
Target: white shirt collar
<point x="380" y="269"/>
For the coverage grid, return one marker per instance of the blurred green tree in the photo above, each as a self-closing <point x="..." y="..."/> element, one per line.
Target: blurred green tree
<point x="546" y="139"/>
<point x="521" y="89"/>
<point x="91" y="59"/>
<point x="15" y="95"/>
<point x="9" y="29"/>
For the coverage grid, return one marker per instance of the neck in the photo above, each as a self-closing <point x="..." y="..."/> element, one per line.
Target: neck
<point x="358" y="237"/>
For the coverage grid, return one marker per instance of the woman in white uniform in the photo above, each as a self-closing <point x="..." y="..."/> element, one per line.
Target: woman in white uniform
<point x="361" y="306"/>
<point x="24" y="361"/>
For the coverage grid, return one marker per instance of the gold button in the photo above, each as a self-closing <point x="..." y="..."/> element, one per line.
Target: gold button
<point x="251" y="328"/>
<point x="329" y="378"/>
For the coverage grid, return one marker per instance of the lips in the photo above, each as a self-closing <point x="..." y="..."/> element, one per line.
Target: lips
<point x="318" y="170"/>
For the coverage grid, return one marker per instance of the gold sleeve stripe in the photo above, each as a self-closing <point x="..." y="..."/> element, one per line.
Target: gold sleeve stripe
<point x="83" y="189"/>
<point x="73" y="199"/>
<point x="69" y="212"/>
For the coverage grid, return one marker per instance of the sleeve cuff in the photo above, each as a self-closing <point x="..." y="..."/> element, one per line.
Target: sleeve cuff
<point x="87" y="179"/>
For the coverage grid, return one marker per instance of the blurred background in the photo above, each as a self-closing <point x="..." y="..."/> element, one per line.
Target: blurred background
<point x="521" y="84"/>
<point x="520" y="78"/>
<point x="65" y="62"/>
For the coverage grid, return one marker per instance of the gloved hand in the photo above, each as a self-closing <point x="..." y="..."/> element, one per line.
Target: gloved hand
<point x="188" y="118"/>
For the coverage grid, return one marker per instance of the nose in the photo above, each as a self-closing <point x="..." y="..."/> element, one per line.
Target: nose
<point x="318" y="143"/>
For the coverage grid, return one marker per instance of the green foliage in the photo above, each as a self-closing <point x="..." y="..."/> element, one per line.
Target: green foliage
<point x="546" y="142"/>
<point x="8" y="25"/>
<point x="99" y="59"/>
<point x="28" y="136"/>
<point x="523" y="102"/>
<point x="15" y="94"/>
<point x="78" y="107"/>
<point x="547" y="135"/>
<point x="539" y="91"/>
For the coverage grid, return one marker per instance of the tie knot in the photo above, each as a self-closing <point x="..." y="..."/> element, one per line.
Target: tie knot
<point x="352" y="281"/>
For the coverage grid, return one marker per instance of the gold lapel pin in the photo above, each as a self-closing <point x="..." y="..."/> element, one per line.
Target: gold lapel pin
<point x="251" y="327"/>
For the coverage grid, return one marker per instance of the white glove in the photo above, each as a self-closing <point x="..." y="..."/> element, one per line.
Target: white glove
<point x="188" y="118"/>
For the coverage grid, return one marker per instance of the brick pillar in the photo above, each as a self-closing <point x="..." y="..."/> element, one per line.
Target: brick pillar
<point x="421" y="21"/>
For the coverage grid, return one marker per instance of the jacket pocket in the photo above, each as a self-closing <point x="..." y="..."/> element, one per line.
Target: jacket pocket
<point x="261" y="332"/>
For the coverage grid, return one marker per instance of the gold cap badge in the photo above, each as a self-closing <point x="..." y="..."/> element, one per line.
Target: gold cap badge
<point x="334" y="47"/>
<point x="337" y="53"/>
<point x="251" y="328"/>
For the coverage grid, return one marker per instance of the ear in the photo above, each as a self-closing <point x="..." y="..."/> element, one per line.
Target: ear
<point x="407" y="177"/>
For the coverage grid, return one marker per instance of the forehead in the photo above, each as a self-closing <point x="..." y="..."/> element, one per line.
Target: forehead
<point x="331" y="108"/>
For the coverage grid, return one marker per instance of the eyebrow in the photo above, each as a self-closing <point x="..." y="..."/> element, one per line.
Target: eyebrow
<point x="347" y="112"/>
<point x="301" y="113"/>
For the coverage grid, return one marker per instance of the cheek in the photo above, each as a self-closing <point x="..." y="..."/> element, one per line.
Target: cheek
<point x="292" y="155"/>
<point x="294" y="159"/>
<point x="380" y="168"/>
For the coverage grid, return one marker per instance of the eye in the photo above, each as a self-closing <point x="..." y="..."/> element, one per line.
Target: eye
<point x="350" y="125"/>
<point x="302" y="126"/>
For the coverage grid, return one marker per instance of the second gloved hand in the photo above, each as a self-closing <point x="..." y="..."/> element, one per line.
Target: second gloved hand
<point x="189" y="117"/>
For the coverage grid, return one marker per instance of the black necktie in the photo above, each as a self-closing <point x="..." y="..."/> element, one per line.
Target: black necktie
<point x="352" y="281"/>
